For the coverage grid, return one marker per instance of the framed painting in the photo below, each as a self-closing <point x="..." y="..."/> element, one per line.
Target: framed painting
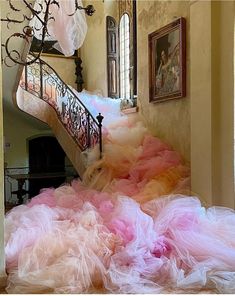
<point x="48" y="49"/>
<point x="167" y="62"/>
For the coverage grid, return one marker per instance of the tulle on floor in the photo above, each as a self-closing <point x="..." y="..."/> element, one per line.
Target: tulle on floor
<point x="126" y="228"/>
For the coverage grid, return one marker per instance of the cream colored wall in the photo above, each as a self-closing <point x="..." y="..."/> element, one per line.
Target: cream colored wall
<point x="224" y="43"/>
<point x="93" y="51"/>
<point x="201" y="105"/>
<point x="16" y="131"/>
<point x="212" y="101"/>
<point x="2" y="256"/>
<point x="65" y="68"/>
<point x="168" y="120"/>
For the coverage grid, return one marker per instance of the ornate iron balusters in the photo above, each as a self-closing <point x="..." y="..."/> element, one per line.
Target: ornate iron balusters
<point x="42" y="81"/>
<point x="100" y="119"/>
<point x="79" y="80"/>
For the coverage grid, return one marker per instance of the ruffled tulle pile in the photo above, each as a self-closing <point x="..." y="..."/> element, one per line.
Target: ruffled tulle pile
<point x="124" y="229"/>
<point x="168" y="244"/>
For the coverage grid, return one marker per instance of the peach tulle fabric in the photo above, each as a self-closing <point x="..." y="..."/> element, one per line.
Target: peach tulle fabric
<point x="124" y="229"/>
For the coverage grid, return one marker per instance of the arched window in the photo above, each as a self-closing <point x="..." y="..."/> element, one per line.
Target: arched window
<point x="124" y="56"/>
<point x="122" y="52"/>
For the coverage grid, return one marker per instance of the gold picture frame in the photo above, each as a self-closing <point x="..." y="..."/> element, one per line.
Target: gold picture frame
<point x="167" y="62"/>
<point x="49" y="50"/>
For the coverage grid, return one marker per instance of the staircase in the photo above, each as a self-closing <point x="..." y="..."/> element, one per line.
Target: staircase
<point x="43" y="94"/>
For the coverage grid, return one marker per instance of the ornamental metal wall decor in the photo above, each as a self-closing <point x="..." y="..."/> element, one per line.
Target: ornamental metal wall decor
<point x="43" y="16"/>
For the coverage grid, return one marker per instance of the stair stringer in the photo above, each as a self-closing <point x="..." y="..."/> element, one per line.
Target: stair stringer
<point x="41" y="110"/>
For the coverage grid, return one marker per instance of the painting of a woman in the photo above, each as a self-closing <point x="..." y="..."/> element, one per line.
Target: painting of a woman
<point x="167" y="64"/>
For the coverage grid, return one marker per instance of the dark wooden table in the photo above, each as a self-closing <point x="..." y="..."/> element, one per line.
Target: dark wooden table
<point x="21" y="178"/>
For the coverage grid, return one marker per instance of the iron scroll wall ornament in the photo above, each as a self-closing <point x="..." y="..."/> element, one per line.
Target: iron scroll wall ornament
<point x="43" y="16"/>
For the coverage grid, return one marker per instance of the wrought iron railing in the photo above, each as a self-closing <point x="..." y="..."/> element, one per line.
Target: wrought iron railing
<point x="41" y="80"/>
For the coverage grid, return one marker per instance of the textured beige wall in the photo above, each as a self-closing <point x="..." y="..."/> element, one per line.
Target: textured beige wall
<point x="225" y="43"/>
<point x="168" y="120"/>
<point x="2" y="257"/>
<point x="65" y="68"/>
<point x="93" y="51"/>
<point x="201" y="104"/>
<point x="212" y="101"/>
<point x="16" y="131"/>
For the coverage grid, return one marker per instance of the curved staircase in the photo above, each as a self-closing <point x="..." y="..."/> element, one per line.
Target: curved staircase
<point x="42" y="94"/>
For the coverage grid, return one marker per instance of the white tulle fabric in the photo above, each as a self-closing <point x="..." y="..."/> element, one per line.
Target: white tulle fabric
<point x="69" y="31"/>
<point x="109" y="108"/>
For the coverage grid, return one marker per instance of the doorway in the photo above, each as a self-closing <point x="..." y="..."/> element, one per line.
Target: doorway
<point x="45" y="156"/>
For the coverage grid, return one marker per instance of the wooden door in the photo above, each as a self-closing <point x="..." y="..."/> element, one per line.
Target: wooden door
<point x="45" y="156"/>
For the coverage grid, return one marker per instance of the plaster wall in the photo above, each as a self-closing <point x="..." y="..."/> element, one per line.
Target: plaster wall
<point x="64" y="67"/>
<point x="93" y="51"/>
<point x="16" y="131"/>
<point x="2" y="257"/>
<point x="201" y="105"/>
<point x="225" y="45"/>
<point x="169" y="120"/>
<point x="212" y="101"/>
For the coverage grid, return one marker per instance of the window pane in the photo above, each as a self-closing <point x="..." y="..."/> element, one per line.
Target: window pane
<point x="125" y="57"/>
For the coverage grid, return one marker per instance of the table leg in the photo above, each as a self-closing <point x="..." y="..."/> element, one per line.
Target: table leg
<point x="20" y="192"/>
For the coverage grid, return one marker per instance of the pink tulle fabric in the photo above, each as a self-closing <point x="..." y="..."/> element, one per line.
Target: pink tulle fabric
<point x="126" y="228"/>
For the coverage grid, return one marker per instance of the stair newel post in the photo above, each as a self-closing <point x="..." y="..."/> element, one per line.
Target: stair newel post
<point x="41" y="80"/>
<point x="88" y="130"/>
<point x="26" y="77"/>
<point x="100" y="119"/>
